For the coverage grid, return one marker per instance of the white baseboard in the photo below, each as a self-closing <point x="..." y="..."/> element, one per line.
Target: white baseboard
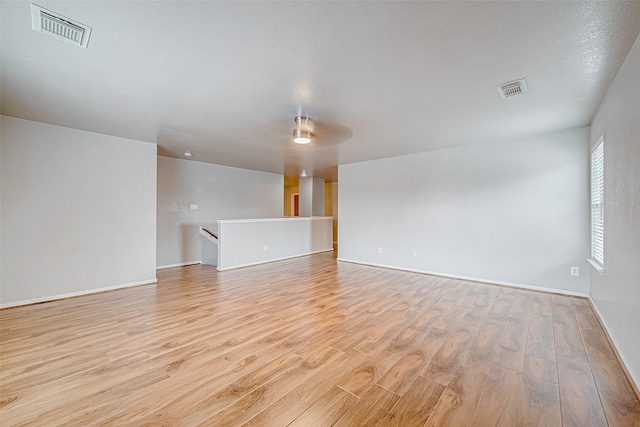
<point x="182" y="264"/>
<point x="273" y="260"/>
<point x="473" y="279"/>
<point x="77" y="294"/>
<point x="627" y="366"/>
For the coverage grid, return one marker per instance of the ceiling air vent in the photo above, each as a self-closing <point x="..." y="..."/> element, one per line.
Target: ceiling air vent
<point x="59" y="27"/>
<point x="513" y="88"/>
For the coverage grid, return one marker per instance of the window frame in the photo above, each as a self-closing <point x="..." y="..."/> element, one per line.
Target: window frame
<point x="596" y="201"/>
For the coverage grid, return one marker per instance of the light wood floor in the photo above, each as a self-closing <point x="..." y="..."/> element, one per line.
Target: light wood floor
<point x="311" y="342"/>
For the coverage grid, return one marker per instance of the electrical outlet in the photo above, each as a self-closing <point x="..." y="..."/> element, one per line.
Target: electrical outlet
<point x="575" y="271"/>
<point x="266" y="248"/>
<point x="379" y="250"/>
<point x="414" y="254"/>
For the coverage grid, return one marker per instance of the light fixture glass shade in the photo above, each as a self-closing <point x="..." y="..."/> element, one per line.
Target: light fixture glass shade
<point x="302" y="132"/>
<point x="301" y="137"/>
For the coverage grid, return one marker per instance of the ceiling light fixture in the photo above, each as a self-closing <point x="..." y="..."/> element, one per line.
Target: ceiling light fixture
<point x="302" y="133"/>
<point x="301" y="137"/>
<point x="188" y="153"/>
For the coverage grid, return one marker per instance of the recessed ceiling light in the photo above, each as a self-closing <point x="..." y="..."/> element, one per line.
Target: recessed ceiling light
<point x="188" y="153"/>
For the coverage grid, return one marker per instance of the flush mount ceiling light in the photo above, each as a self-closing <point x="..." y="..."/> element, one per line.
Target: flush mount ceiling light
<point x="302" y="132"/>
<point x="188" y="153"/>
<point x="301" y="137"/>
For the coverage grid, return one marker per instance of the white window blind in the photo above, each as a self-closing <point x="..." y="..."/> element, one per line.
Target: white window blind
<point x="597" y="203"/>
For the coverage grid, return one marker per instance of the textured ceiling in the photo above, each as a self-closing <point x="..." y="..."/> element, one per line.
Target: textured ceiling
<point x="225" y="80"/>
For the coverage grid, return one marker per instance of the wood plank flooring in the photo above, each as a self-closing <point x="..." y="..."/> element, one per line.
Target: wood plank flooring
<point x="310" y="342"/>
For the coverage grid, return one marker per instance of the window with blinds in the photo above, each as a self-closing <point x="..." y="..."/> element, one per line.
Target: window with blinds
<point x="597" y="203"/>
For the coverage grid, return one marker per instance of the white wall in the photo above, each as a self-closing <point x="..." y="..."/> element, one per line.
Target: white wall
<point x="256" y="241"/>
<point x="220" y="192"/>
<point x="617" y="293"/>
<point x="305" y="200"/>
<point x="317" y="208"/>
<point x="511" y="212"/>
<point x="78" y="211"/>
<point x="334" y="210"/>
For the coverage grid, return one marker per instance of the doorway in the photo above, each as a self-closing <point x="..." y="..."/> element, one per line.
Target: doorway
<point x="295" y="204"/>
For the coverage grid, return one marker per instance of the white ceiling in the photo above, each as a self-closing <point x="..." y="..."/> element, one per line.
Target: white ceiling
<point x="225" y="80"/>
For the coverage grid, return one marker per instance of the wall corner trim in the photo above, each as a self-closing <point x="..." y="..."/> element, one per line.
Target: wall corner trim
<point x="77" y="294"/>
